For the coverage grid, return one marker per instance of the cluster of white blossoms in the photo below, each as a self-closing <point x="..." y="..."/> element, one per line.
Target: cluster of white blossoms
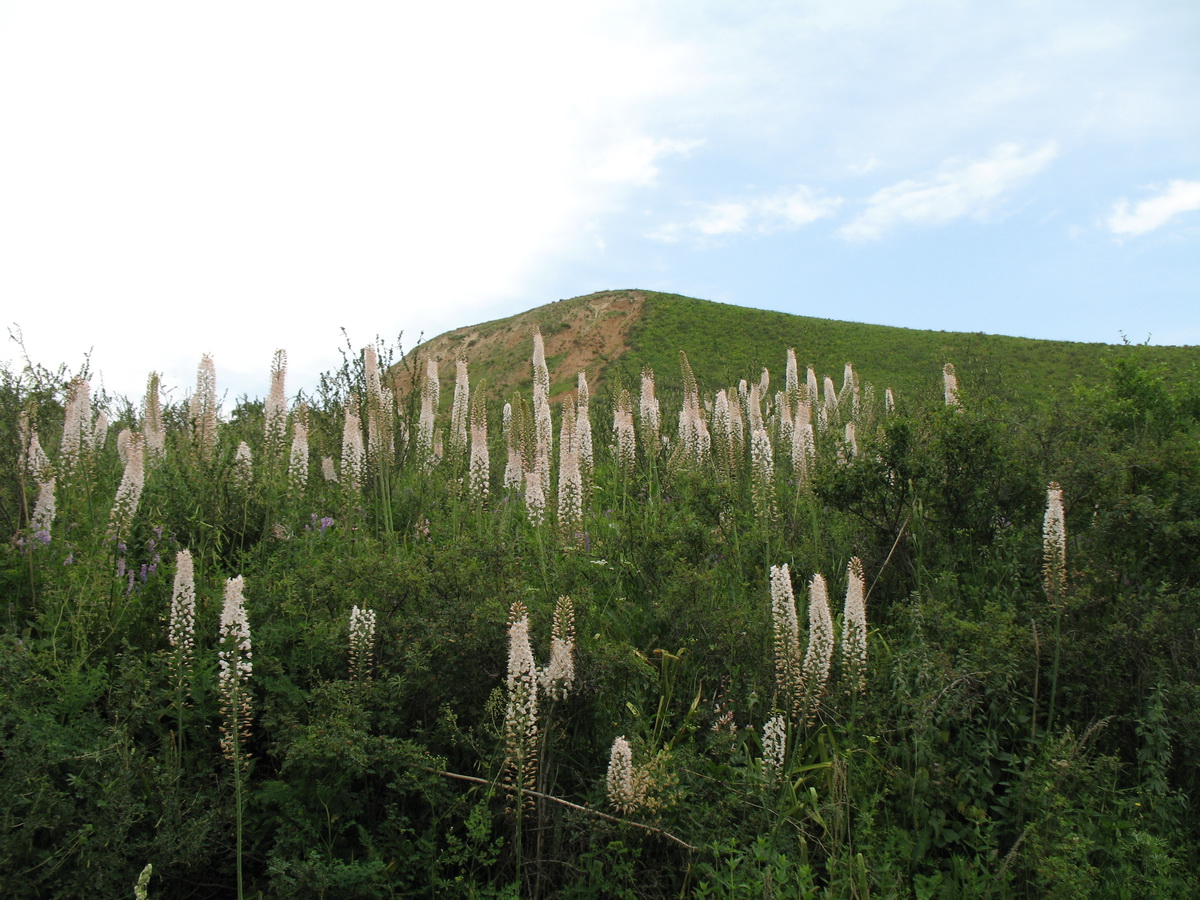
<point x="202" y="409"/>
<point x="362" y="642"/>
<point x="479" y="467"/>
<point x="624" y="793"/>
<point x="152" y="421"/>
<point x="854" y="628"/>
<point x="234" y="668"/>
<point x="43" y="511"/>
<point x="521" y="708"/>
<point x="275" y="407"/>
<point x="129" y="492"/>
<point x="77" y="425"/>
<point x="800" y="684"/>
<point x="649" y="411"/>
<point x="818" y="658"/>
<point x="623" y="433"/>
<point x="558" y="677"/>
<point x="1054" y="545"/>
<point x="243" y="466"/>
<point x="352" y="447"/>
<point x="181" y="625"/>
<point x="774" y="743"/>
<point x="460" y="408"/>
<point x="298" y="457"/>
<point x="950" y="384"/>
<point x="570" y="479"/>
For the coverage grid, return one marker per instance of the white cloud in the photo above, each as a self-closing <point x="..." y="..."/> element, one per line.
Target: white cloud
<point x="636" y="161"/>
<point x="235" y="178"/>
<point x="764" y="214"/>
<point x="958" y="190"/>
<point x="1178" y="197"/>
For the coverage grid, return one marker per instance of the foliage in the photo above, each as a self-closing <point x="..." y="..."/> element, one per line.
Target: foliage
<point x="1002" y="747"/>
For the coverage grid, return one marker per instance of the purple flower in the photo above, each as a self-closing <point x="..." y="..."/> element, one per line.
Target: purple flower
<point x="70" y="559"/>
<point x="42" y="536"/>
<point x="121" y="567"/>
<point x="326" y="522"/>
<point x="144" y="573"/>
<point x="129" y="589"/>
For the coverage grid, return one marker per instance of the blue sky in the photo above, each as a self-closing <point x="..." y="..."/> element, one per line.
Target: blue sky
<point x="232" y="178"/>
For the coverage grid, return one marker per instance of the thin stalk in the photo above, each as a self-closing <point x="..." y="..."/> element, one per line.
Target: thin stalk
<point x="1054" y="672"/>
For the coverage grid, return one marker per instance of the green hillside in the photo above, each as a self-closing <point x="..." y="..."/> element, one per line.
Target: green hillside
<point x="725" y="343"/>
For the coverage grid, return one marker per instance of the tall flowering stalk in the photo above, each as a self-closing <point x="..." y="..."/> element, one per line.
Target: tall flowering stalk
<point x="36" y="463"/>
<point x="950" y="384"/>
<point x="479" y="468"/>
<point x="694" y="441"/>
<point x="535" y="498"/>
<point x="99" y="432"/>
<point x="792" y="379"/>
<point x="181" y="634"/>
<point x="233" y="680"/>
<point x="1054" y="546"/>
<point x="181" y="626"/>
<point x="298" y="457"/>
<point x="570" y="481"/>
<point x="243" y="466"/>
<point x="818" y="658"/>
<point x="380" y="449"/>
<point x="625" y="792"/>
<point x="430" y="396"/>
<point x="129" y="492"/>
<point x="789" y="680"/>
<point x="362" y="643"/>
<point x="774" y="742"/>
<point x="152" y="420"/>
<point x="77" y="418"/>
<point x="850" y="441"/>
<point x="521" y="709"/>
<point x="624" y="435"/>
<point x="1054" y="576"/>
<point x="649" y="412"/>
<point x="583" y="432"/>
<point x="42" y="520"/>
<point x="514" y="458"/>
<point x="725" y="448"/>
<point x="275" y="408"/>
<point x="848" y="396"/>
<point x="762" y="458"/>
<point x="854" y="628"/>
<point x="352" y="448"/>
<point x="804" y="445"/>
<point x="558" y="678"/>
<point x="202" y="409"/>
<point x="829" y="406"/>
<point x="460" y="409"/>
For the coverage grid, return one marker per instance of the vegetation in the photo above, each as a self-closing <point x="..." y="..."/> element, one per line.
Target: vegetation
<point x="364" y="678"/>
<point x="727" y="343"/>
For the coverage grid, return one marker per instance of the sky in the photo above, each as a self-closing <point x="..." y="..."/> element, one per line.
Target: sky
<point x="234" y="178"/>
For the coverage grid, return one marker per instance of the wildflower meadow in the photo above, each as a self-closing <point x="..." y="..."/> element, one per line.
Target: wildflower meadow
<point x="802" y="635"/>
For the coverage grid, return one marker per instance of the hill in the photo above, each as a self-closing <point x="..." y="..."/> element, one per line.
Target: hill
<point x="610" y="335"/>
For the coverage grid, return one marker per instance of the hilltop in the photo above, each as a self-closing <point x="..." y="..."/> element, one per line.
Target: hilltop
<point x="610" y="335"/>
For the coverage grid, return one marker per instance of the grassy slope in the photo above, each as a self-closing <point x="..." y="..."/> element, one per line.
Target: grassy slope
<point x="725" y="343"/>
